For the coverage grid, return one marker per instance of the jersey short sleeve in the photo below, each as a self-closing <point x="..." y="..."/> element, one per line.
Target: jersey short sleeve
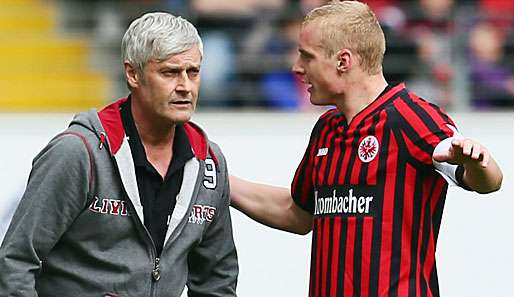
<point x="423" y="126"/>
<point x="302" y="186"/>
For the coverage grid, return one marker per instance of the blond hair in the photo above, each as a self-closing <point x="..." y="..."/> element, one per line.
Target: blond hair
<point x="351" y="25"/>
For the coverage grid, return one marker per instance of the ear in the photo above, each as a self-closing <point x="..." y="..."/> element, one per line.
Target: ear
<point x="131" y="75"/>
<point x="344" y="60"/>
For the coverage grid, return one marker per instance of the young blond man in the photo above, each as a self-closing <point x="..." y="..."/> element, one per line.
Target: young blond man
<point x="373" y="180"/>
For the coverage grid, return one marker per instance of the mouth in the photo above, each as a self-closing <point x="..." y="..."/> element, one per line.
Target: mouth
<point x="309" y="86"/>
<point x="181" y="102"/>
<point x="307" y="83"/>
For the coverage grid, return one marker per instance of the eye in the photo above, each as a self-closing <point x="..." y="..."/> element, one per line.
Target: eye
<point x="193" y="72"/>
<point x="305" y="58"/>
<point x="170" y="72"/>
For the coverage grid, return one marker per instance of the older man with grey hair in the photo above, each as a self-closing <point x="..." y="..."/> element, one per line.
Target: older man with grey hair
<point x="131" y="200"/>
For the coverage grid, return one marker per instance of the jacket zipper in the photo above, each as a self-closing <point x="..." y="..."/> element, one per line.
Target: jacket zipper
<point x="156" y="275"/>
<point x="156" y="272"/>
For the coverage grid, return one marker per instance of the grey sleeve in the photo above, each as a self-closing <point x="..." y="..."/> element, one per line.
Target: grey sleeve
<point x="56" y="193"/>
<point x="213" y="267"/>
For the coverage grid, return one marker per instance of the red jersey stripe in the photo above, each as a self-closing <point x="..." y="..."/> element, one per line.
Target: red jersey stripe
<point x="408" y="199"/>
<point x="335" y="257"/>
<point x="350" y="243"/>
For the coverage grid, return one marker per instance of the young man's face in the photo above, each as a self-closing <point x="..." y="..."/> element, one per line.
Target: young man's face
<point x="316" y="69"/>
<point x="169" y="89"/>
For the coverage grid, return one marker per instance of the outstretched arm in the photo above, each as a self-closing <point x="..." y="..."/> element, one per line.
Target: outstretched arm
<point x="269" y="205"/>
<point x="481" y="173"/>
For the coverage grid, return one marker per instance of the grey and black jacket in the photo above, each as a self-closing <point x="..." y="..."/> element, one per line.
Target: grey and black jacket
<point x="79" y="229"/>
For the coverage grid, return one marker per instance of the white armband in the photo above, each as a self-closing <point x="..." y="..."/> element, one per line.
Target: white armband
<point x="447" y="170"/>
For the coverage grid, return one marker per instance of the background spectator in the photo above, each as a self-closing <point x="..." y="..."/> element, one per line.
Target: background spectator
<point x="431" y="27"/>
<point x="493" y="84"/>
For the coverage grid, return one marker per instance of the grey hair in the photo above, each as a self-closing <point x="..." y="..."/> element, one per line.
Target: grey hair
<point x="157" y="35"/>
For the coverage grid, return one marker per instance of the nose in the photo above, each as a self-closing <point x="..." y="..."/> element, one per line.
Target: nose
<point x="184" y="83"/>
<point x="297" y="68"/>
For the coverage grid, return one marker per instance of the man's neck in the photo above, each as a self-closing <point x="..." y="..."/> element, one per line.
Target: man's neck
<point x="360" y="93"/>
<point x="152" y="132"/>
<point x="157" y="139"/>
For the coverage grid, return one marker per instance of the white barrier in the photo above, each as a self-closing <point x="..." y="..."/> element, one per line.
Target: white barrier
<point x="476" y="243"/>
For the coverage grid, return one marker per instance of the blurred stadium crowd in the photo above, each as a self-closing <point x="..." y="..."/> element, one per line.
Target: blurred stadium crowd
<point x="459" y="53"/>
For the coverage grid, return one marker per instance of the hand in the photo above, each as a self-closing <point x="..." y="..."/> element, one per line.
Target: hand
<point x="464" y="151"/>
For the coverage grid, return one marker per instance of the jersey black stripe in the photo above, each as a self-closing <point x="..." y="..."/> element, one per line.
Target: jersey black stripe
<point x="434" y="285"/>
<point x="317" y="261"/>
<point x="342" y="257"/>
<point x="314" y="243"/>
<point x="416" y="224"/>
<point x="424" y="244"/>
<point x="438" y="212"/>
<point x="377" y="222"/>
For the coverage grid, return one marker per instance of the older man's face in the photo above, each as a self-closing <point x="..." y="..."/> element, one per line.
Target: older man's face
<point x="169" y="89"/>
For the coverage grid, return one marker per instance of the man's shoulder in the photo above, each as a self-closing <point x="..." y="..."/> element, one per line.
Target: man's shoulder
<point x="328" y="114"/>
<point x="326" y="117"/>
<point x="411" y="111"/>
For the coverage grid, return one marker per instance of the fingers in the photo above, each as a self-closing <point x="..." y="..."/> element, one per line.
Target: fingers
<point x="485" y="159"/>
<point x="456" y="142"/>
<point x="472" y="150"/>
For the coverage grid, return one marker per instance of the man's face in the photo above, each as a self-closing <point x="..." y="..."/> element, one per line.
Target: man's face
<point x="317" y="70"/>
<point x="169" y="89"/>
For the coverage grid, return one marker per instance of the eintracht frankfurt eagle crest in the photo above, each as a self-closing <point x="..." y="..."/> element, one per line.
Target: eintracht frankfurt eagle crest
<point x="368" y="149"/>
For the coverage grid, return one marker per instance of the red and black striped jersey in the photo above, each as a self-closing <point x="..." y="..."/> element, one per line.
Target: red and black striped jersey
<point x="376" y="198"/>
